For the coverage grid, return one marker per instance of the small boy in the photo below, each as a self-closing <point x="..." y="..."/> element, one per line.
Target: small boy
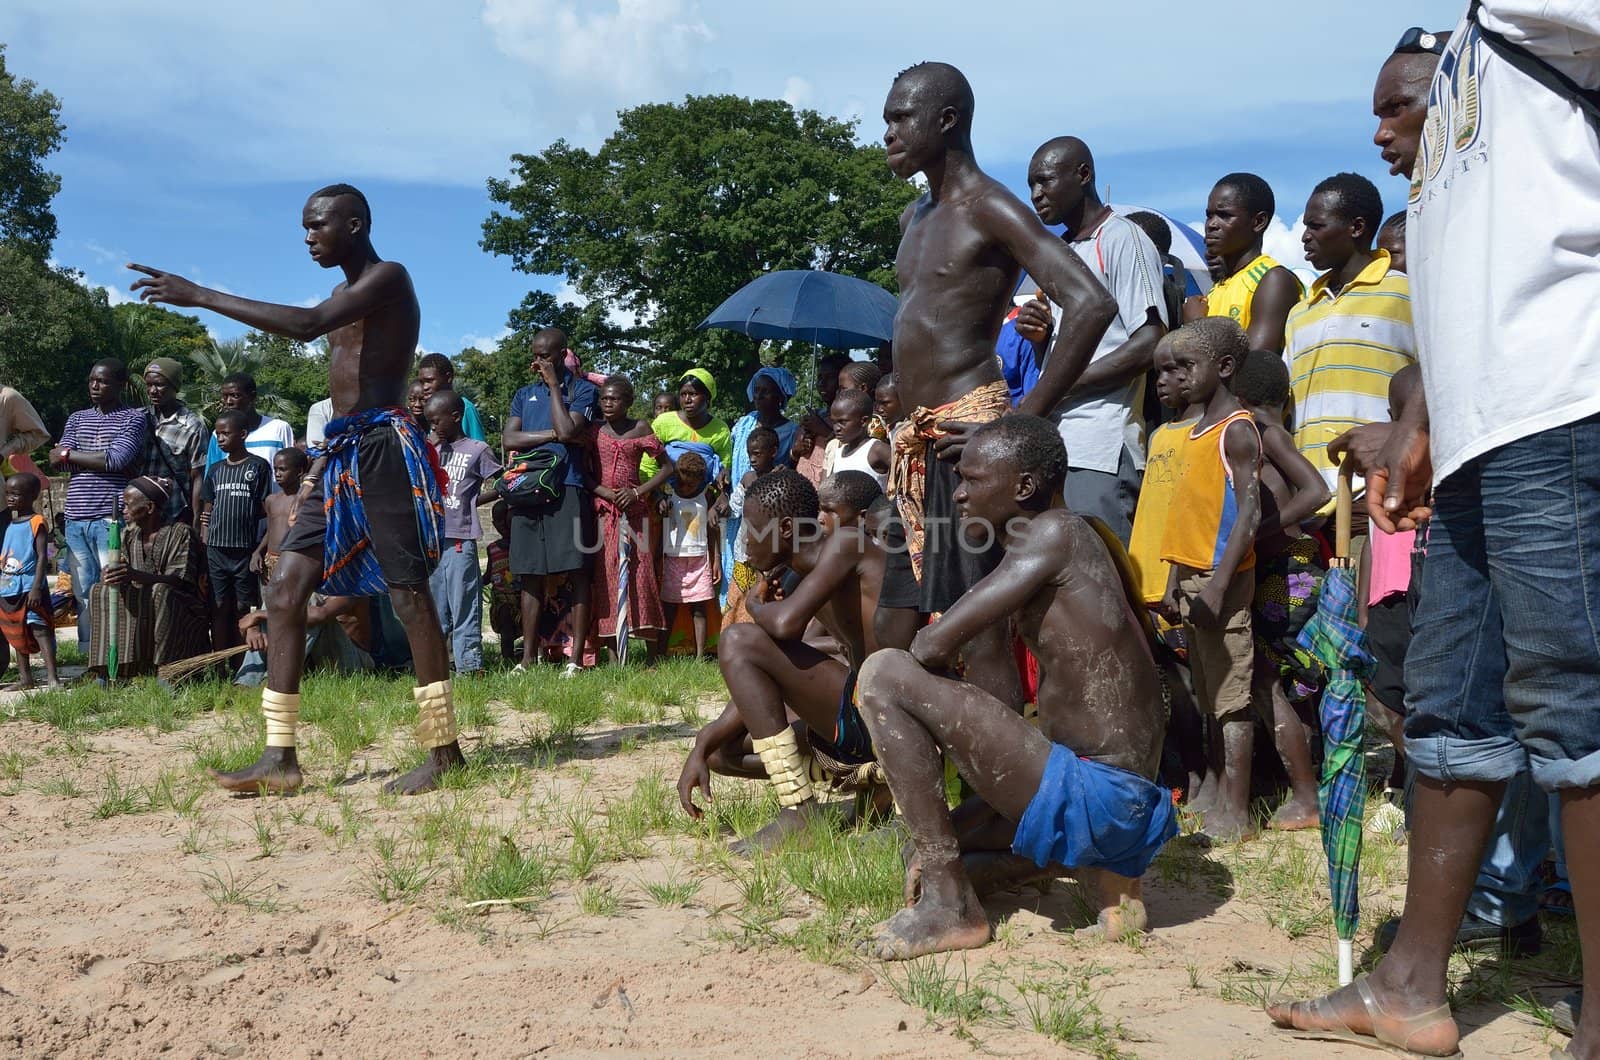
<point x="232" y="506"/>
<point x="1155" y="494"/>
<point x="853" y="448"/>
<point x="690" y="566"/>
<point x="850" y="498"/>
<point x="664" y="402"/>
<point x="886" y="401"/>
<point x="1074" y="791"/>
<point x="24" y="584"/>
<point x="762" y="449"/>
<point x="505" y="592"/>
<point x="1288" y="571"/>
<point x="770" y="670"/>
<point x="1210" y="542"/>
<point x="289" y="467"/>
<point x="456" y="584"/>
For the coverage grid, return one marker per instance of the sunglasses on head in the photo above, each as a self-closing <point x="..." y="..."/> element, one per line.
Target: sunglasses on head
<point x="1416" y="41"/>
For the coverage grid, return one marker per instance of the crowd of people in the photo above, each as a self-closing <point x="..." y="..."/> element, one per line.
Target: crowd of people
<point x="1004" y="554"/>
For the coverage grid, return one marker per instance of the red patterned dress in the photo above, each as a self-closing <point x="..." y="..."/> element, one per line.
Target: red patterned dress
<point x="617" y="467"/>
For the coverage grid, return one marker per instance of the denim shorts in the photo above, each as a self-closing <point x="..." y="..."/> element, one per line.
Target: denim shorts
<point x="1503" y="671"/>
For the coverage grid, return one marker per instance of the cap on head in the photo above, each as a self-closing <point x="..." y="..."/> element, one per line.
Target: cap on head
<point x="167" y="368"/>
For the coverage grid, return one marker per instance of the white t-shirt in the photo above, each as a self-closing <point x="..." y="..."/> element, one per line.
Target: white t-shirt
<point x="835" y="459"/>
<point x="686" y="526"/>
<point x="1098" y="429"/>
<point x="317" y="420"/>
<point x="1503" y="235"/>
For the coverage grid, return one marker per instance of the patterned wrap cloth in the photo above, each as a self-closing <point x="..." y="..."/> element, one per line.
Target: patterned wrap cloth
<point x="349" y="567"/>
<point x="908" y="468"/>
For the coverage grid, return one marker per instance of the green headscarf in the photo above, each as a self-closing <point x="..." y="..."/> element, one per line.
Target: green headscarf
<point x="703" y="377"/>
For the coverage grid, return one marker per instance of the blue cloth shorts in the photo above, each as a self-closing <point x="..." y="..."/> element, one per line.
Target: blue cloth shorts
<point x="1503" y="671"/>
<point x="849" y="744"/>
<point x="1090" y="815"/>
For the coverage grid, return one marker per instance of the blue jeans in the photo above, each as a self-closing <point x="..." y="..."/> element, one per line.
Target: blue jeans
<point x="457" y="587"/>
<point x="1503" y="672"/>
<point x="89" y="542"/>
<point x="1508" y="887"/>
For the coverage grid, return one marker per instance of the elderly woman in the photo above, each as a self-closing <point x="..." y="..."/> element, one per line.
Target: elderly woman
<point x="154" y="589"/>
<point x="769" y="392"/>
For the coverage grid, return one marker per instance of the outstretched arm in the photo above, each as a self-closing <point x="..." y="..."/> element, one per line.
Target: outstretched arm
<point x="1028" y="564"/>
<point x="377" y="287"/>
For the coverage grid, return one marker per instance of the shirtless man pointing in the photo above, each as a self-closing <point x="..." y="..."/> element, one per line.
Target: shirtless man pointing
<point x="962" y="248"/>
<point x="383" y="538"/>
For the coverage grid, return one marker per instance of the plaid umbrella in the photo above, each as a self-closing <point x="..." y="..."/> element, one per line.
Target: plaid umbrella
<point x="624" y="557"/>
<point x="1334" y="636"/>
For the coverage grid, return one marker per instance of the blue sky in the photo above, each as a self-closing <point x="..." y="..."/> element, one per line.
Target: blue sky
<point x="195" y="130"/>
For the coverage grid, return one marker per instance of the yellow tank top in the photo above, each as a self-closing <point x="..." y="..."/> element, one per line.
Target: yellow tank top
<point x="1155" y="501"/>
<point x="1203" y="503"/>
<point x="1232" y="297"/>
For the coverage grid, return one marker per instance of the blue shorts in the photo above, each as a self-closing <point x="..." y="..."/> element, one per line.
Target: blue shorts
<point x="849" y="744"/>
<point x="1090" y="815"/>
<point x="1503" y="670"/>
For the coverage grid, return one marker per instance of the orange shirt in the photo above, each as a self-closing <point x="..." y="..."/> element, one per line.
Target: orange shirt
<point x="1203" y="510"/>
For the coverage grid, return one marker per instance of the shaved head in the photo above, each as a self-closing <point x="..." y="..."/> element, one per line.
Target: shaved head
<point x="942" y="86"/>
<point x="1066" y="152"/>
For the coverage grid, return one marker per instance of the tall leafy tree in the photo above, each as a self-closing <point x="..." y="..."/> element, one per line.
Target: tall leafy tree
<point x="52" y="329"/>
<point x="680" y="207"/>
<point x="30" y="131"/>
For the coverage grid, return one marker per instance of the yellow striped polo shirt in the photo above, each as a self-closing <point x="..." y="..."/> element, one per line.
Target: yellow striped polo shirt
<point x="1342" y="350"/>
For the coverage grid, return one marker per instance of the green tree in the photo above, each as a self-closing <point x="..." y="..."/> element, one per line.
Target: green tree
<point x="138" y="333"/>
<point x="294" y="375"/>
<point x="30" y="131"/>
<point x="52" y="329"/>
<point x="680" y="207"/>
<point x="218" y="360"/>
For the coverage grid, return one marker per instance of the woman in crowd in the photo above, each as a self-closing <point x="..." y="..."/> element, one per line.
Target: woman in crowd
<point x="769" y="391"/>
<point x="155" y="589"/>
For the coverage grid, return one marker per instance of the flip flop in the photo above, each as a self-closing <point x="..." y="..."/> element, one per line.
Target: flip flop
<point x="1390" y="1034"/>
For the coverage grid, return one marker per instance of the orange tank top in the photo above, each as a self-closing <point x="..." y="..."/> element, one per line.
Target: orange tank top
<point x="1203" y="510"/>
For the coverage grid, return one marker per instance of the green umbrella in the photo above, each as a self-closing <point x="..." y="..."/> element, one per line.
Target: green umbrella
<point x="113" y="556"/>
<point x="1335" y="637"/>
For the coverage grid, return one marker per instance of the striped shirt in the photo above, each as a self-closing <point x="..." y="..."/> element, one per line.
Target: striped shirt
<point x="120" y="434"/>
<point x="1342" y="350"/>
<point x="237" y="494"/>
<point x="265" y="441"/>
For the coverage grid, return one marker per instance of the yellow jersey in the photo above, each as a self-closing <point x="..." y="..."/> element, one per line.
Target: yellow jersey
<point x="1155" y="502"/>
<point x="1203" y="502"/>
<point x="1232" y="297"/>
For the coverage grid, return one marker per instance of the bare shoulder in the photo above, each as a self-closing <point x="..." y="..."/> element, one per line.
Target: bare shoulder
<point x="1055" y="534"/>
<point x="910" y="212"/>
<point x="995" y="202"/>
<point x="385" y="274"/>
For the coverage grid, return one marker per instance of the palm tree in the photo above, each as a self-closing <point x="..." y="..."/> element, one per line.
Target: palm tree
<point x="214" y="363"/>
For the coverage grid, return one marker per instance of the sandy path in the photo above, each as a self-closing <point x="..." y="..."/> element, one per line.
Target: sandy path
<point x="111" y="945"/>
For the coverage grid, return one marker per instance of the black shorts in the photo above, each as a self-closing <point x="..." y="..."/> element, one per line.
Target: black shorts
<point x="1388" y="637"/>
<point x="386" y="494"/>
<point x="549" y="542"/>
<point x="229" y="569"/>
<point x="950" y="566"/>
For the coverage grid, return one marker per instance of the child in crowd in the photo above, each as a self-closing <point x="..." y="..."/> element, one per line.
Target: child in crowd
<point x="455" y="583"/>
<point x="690" y="550"/>
<point x="24" y="584"/>
<point x="1210" y="543"/>
<point x="886" y="401"/>
<point x="289" y="467"/>
<point x="616" y="445"/>
<point x="762" y="449"/>
<point x="1076" y="791"/>
<point x="851" y="498"/>
<point x="1155" y="494"/>
<point x="233" y="505"/>
<point x="1289" y="569"/>
<point x="664" y="402"/>
<point x="505" y="594"/>
<point x="853" y="447"/>
<point x="1387" y="600"/>
<point x="416" y="404"/>
<point x="1392" y="237"/>
<point x="865" y="376"/>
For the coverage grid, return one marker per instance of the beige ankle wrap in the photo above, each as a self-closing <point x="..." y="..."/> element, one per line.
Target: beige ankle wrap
<point x="786" y="767"/>
<point x="282" y="711"/>
<point x="436" y="715"/>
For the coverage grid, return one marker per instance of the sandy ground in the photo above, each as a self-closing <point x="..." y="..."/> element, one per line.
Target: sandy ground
<point x="111" y="945"/>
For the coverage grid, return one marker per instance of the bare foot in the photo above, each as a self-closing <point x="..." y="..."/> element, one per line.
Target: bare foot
<point x="1226" y="827"/>
<point x="274" y="773"/>
<point x="1117" y="922"/>
<point x="936" y="924"/>
<point x="790" y="819"/>
<point x="1357" y="1013"/>
<point x="425" y="778"/>
<point x="1294" y="816"/>
<point x="1201" y="798"/>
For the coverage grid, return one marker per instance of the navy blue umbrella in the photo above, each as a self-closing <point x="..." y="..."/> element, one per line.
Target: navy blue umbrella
<point x="803" y="305"/>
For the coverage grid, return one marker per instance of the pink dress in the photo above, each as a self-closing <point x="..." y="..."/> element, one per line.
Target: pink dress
<point x="617" y="467"/>
<point x="1391" y="563"/>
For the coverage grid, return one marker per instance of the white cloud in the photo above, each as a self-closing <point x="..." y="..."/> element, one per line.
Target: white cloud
<point x="484" y="342"/>
<point x="797" y="91"/>
<point x="1283" y="242"/>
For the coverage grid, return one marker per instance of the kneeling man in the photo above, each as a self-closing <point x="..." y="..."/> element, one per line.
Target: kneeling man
<point x="1076" y="790"/>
